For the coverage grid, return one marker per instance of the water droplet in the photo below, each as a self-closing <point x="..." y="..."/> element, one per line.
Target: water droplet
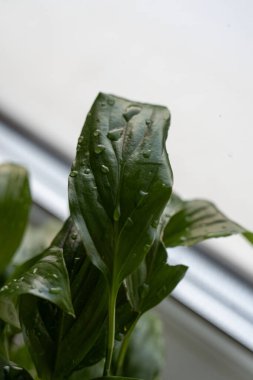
<point x="99" y="149"/>
<point x="104" y="169"/>
<point x="143" y="193"/>
<point x="35" y="270"/>
<point x="74" y="236"/>
<point x="97" y="132"/>
<point x="87" y="171"/>
<point x="55" y="275"/>
<point x="80" y="140"/>
<point x="73" y="173"/>
<point x="110" y="101"/>
<point x="22" y="278"/>
<point x="130" y="112"/>
<point x="182" y="238"/>
<point x="125" y="329"/>
<point x="147" y="153"/>
<point x="115" y="134"/>
<point x="55" y="290"/>
<point x="78" y="148"/>
<point x="116" y="214"/>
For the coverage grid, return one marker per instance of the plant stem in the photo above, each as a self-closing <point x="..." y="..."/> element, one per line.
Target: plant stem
<point x="111" y="331"/>
<point x="123" y="348"/>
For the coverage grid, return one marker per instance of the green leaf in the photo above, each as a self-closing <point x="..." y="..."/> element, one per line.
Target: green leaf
<point x="154" y="280"/>
<point x="60" y="344"/>
<point x="15" y="202"/>
<point x="45" y="277"/>
<point x="249" y="236"/>
<point x="120" y="182"/>
<point x="145" y="355"/>
<point x="10" y="371"/>
<point x="191" y="222"/>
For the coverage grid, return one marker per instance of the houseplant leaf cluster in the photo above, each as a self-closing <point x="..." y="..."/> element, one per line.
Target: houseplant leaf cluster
<point x="81" y="303"/>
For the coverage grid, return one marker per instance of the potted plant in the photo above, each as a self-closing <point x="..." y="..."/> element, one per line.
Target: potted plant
<point x="77" y="304"/>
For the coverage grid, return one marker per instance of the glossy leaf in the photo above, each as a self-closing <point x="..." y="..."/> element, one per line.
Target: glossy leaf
<point x="15" y="202"/>
<point x="10" y="371"/>
<point x="154" y="279"/>
<point x="193" y="221"/>
<point x="145" y="355"/>
<point x="58" y="343"/>
<point x="45" y="277"/>
<point x="120" y="182"/>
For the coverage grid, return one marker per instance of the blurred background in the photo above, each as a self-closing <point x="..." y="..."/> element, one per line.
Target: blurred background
<point x="195" y="57"/>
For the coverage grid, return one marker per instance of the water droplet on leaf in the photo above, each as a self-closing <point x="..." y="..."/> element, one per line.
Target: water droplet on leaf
<point x="73" y="173"/>
<point x="104" y="169"/>
<point x="35" y="270"/>
<point x="115" y="134"/>
<point x="130" y="112"/>
<point x="96" y="133"/>
<point x="99" y="148"/>
<point x="87" y="171"/>
<point x="55" y="290"/>
<point x="143" y="193"/>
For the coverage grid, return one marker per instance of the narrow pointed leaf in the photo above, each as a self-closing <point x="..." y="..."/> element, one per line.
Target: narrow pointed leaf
<point x="120" y="182"/>
<point x="194" y="221"/>
<point x="249" y="236"/>
<point x="15" y="202"/>
<point x="45" y="277"/>
<point x="154" y="280"/>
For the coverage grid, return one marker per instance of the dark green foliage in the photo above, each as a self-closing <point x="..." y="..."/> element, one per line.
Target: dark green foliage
<point x="80" y="303"/>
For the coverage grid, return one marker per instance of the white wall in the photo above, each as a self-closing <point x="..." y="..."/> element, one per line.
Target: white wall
<point x="193" y="56"/>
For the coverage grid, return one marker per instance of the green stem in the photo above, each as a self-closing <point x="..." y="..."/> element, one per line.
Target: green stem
<point x="123" y="348"/>
<point x="111" y="331"/>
